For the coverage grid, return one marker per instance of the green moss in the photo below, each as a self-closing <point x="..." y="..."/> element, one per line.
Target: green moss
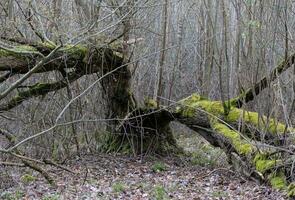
<point x="18" y="50"/>
<point x="49" y="45"/>
<point x="233" y="115"/>
<point x="291" y="189"/>
<point x="278" y="181"/>
<point x="159" y="167"/>
<point x="213" y="107"/>
<point x="159" y="192"/>
<point x="25" y="48"/>
<point x="188" y="108"/>
<point x="263" y="163"/>
<point x="40" y="86"/>
<point x="27" y="178"/>
<point x="150" y="103"/>
<point x="192" y="99"/>
<point x="118" y="187"/>
<point x="271" y="125"/>
<point x="276" y="127"/>
<point x="77" y="51"/>
<point x="188" y="112"/>
<point x="195" y="101"/>
<point x="239" y="144"/>
<point x="4" y="53"/>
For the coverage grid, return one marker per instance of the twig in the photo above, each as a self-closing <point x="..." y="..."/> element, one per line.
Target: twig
<point x="12" y="164"/>
<point x="50" y="162"/>
<point x="213" y="171"/>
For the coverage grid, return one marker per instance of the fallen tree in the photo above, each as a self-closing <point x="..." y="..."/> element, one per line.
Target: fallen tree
<point x="236" y="131"/>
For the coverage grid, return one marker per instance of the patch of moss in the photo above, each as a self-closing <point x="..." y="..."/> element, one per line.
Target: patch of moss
<point x="150" y="103"/>
<point x="25" y="48"/>
<point x="39" y="86"/>
<point x="263" y="163"/>
<point x="159" y="167"/>
<point x="159" y="192"/>
<point x="271" y="125"/>
<point x="77" y="51"/>
<point x="188" y="112"/>
<point x="291" y="189"/>
<point x="239" y="144"/>
<point x="27" y="178"/>
<point x="234" y="115"/>
<point x="17" y="51"/>
<point x="196" y="101"/>
<point x="48" y="44"/>
<point x="278" y="181"/>
<point x="192" y="99"/>
<point x="213" y="107"/>
<point x="118" y="187"/>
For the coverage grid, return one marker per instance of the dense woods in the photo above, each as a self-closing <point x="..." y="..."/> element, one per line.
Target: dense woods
<point x="128" y="77"/>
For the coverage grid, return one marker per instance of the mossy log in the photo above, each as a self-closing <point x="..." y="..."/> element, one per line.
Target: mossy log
<point x="73" y="62"/>
<point x="262" y="158"/>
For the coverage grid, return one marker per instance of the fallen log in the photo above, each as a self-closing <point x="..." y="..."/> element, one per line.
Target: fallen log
<point x="269" y="160"/>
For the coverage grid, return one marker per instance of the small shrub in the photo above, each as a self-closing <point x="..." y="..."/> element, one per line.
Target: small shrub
<point x="27" y="178"/>
<point x="118" y="187"/>
<point x="158" y="167"/>
<point x="159" y="192"/>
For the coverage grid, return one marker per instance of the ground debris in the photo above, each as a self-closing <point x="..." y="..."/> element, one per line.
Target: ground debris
<point x="103" y="176"/>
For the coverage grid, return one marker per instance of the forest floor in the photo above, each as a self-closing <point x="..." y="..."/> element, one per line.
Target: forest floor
<point x="204" y="175"/>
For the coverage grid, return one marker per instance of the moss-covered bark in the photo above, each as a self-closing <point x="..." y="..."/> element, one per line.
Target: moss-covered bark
<point x="259" y="159"/>
<point x="82" y="61"/>
<point x="144" y="131"/>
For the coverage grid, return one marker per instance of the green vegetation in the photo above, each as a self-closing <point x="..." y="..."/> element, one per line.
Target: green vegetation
<point x="12" y="196"/>
<point x="263" y="163"/>
<point x="278" y="181"/>
<point x="159" y="192"/>
<point x="51" y="197"/>
<point x="118" y="187"/>
<point x="27" y="178"/>
<point x="220" y="194"/>
<point x="240" y="145"/>
<point x="291" y="189"/>
<point x="159" y="167"/>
